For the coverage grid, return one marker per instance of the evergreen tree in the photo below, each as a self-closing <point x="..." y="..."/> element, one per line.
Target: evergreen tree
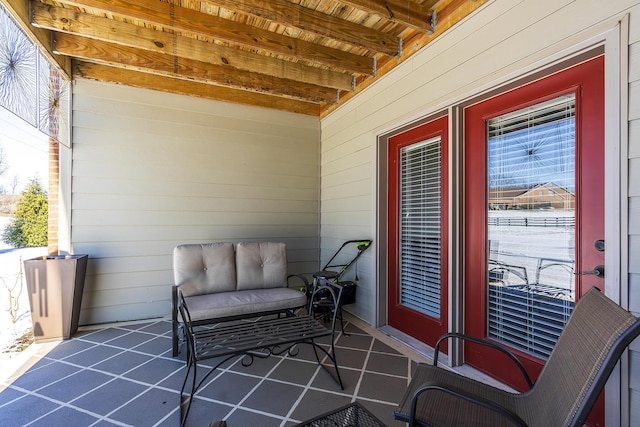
<point x="29" y="227"/>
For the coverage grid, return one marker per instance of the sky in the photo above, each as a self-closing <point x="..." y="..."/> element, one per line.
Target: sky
<point x="26" y="152"/>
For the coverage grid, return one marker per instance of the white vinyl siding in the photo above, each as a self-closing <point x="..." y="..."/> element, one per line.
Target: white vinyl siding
<point x="346" y="212"/>
<point x="153" y="170"/>
<point x="634" y="206"/>
<point x="499" y="42"/>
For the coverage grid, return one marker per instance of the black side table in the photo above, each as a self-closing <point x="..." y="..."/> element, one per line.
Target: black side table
<point x="351" y="415"/>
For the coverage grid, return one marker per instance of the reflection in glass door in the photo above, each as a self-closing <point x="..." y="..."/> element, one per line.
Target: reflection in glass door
<point x="531" y="224"/>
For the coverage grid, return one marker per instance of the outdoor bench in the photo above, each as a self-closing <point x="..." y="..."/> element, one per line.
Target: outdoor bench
<point x="220" y="283"/>
<point x="253" y="338"/>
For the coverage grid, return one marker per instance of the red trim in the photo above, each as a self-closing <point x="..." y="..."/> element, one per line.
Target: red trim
<point x="420" y="326"/>
<point x="587" y="82"/>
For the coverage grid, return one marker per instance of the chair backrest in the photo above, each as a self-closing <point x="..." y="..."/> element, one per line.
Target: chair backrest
<point x="204" y="268"/>
<point x="261" y="265"/>
<point x="586" y="352"/>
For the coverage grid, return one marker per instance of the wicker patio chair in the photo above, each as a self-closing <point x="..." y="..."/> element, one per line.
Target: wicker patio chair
<point x="586" y="352"/>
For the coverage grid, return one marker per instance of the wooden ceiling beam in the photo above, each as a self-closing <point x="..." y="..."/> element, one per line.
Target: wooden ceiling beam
<point x="123" y="76"/>
<point x="293" y="15"/>
<point x="168" y="66"/>
<point x="19" y="9"/>
<point x="408" y="13"/>
<point x="449" y="14"/>
<point x="181" y="19"/>
<point x="109" y="30"/>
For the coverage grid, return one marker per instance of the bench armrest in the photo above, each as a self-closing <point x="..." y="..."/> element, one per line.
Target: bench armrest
<point x="306" y="283"/>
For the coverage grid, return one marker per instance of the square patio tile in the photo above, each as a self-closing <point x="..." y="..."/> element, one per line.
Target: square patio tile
<point x="106" y="423"/>
<point x="32" y="363"/>
<point x="26" y="409"/>
<point x="103" y="335"/>
<point x="158" y="346"/>
<point x="229" y="387"/>
<point x="316" y="402"/>
<point x="175" y="380"/>
<point x="383" y="388"/>
<point x="294" y="371"/>
<point x="36" y="378"/>
<point x="130" y="340"/>
<point x="136" y="326"/>
<point x="155" y="370"/>
<point x="64" y="417"/>
<point x="381" y="347"/>
<point x="350" y="328"/>
<point x="93" y="355"/>
<point x="351" y="358"/>
<point x="210" y="363"/>
<point x="362" y="342"/>
<point x="149" y="408"/>
<point x="388" y="364"/>
<point x="158" y="328"/>
<point x="350" y="379"/>
<point x="122" y="362"/>
<point x="69" y="348"/>
<point x="73" y="386"/>
<point x="109" y="396"/>
<point x="201" y="414"/>
<point x="8" y="395"/>
<point x="273" y="398"/>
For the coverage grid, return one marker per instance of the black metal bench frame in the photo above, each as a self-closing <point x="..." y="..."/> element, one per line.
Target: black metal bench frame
<point x="248" y="339"/>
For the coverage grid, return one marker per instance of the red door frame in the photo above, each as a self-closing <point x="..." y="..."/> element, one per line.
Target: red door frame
<point x="425" y="328"/>
<point x="587" y="82"/>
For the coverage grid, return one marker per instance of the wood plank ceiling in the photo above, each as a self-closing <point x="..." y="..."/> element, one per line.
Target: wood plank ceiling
<point x="303" y="56"/>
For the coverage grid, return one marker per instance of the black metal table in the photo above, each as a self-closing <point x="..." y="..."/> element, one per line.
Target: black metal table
<point x="351" y="415"/>
<point x="248" y="339"/>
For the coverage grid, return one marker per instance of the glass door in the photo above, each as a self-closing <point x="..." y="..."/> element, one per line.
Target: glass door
<point x="534" y="214"/>
<point x="417" y="225"/>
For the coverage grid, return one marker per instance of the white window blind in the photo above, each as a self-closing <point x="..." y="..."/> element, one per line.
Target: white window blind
<point x="531" y="224"/>
<point x="420" y="223"/>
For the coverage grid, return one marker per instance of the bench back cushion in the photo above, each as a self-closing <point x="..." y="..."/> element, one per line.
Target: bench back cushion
<point x="204" y="268"/>
<point x="261" y="265"/>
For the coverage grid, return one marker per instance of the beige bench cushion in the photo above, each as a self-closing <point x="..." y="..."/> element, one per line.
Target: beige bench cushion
<point x="204" y="268"/>
<point x="242" y="303"/>
<point x="261" y="265"/>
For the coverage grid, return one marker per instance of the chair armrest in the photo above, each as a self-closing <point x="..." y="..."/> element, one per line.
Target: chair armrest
<point x="486" y="343"/>
<point x="464" y="395"/>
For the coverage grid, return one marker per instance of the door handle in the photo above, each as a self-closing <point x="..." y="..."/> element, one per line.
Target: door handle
<point x="598" y="270"/>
